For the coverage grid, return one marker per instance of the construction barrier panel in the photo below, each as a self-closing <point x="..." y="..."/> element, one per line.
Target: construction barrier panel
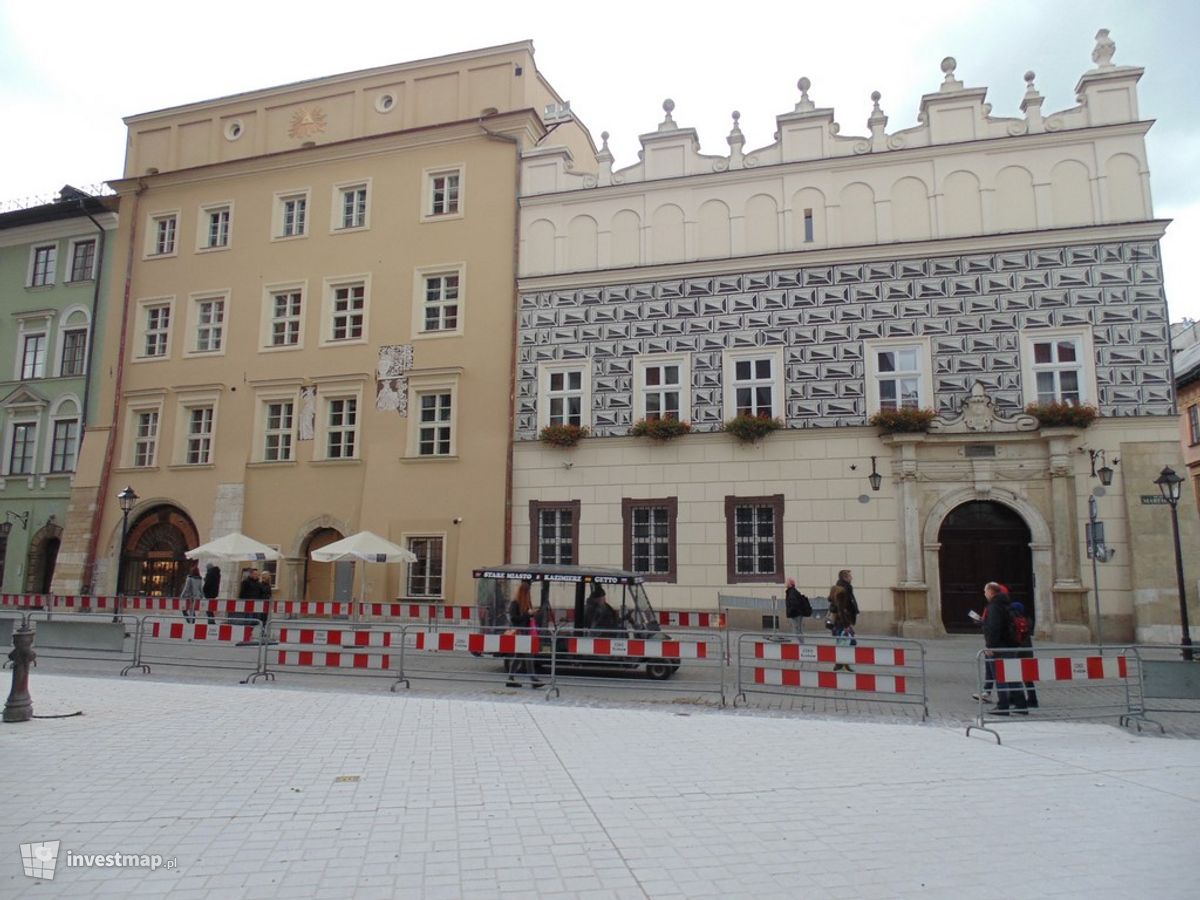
<point x="176" y="642"/>
<point x="327" y="648"/>
<point x="75" y="636"/>
<point x="1058" y="684"/>
<point x="25" y="601"/>
<point x="1170" y="683"/>
<point x="463" y="653"/>
<point x="874" y="669"/>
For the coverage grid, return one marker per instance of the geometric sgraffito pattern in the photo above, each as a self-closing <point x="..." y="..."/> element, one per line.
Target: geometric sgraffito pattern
<point x="971" y="307"/>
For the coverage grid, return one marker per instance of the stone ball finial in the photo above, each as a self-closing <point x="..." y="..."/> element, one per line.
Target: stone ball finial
<point x="804" y="84"/>
<point x="668" y="106"/>
<point x="604" y="136"/>
<point x="1029" y="76"/>
<point x="876" y="97"/>
<point x="949" y="64"/>
<point x="736" y="116"/>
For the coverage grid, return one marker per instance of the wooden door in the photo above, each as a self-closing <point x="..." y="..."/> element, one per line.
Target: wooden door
<point x="981" y="542"/>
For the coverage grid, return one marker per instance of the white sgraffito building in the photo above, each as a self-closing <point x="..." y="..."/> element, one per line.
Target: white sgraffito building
<point x="971" y="265"/>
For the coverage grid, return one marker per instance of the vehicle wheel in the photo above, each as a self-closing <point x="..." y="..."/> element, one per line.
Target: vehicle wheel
<point x="660" y="669"/>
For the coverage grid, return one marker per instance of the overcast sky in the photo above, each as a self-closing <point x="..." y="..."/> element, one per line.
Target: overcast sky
<point x="70" y="70"/>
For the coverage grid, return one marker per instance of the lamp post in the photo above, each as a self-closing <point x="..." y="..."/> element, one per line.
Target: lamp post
<point x="126" y="498"/>
<point x="1170" y="485"/>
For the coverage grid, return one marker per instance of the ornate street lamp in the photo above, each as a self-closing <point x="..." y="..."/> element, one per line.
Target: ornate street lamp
<point x="875" y="478"/>
<point x="1105" y="472"/>
<point x="1171" y="485"/>
<point x="127" y="498"/>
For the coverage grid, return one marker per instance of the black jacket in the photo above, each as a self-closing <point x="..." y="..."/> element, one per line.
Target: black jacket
<point x="517" y="618"/>
<point x="212" y="583"/>
<point x="796" y="604"/>
<point x="600" y="614"/>
<point x="998" y="630"/>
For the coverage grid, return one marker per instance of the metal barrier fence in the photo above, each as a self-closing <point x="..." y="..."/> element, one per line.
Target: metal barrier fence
<point x="175" y="642"/>
<point x="98" y="638"/>
<point x="875" y="669"/>
<point x="1169" y="683"/>
<point x="333" y="648"/>
<point x="1060" y="684"/>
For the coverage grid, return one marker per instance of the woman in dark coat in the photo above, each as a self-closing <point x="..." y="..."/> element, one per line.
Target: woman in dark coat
<point x="844" y="607"/>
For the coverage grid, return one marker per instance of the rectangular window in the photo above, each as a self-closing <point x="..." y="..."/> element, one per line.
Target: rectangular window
<point x="1058" y="371"/>
<point x="441" y="302"/>
<point x="145" y="438"/>
<point x="210" y="325"/>
<point x="425" y="575"/>
<point x="444" y="193"/>
<point x="349" y="305"/>
<point x="278" y="430"/>
<point x="553" y="532"/>
<point x="199" y="436"/>
<point x="433" y="438"/>
<point x="45" y="262"/>
<point x="754" y="387"/>
<point x="754" y="539"/>
<point x="1193" y="415"/>
<point x="661" y="390"/>
<point x="285" y="318"/>
<point x="62" y="452"/>
<point x="33" y="356"/>
<point x="565" y="397"/>
<point x="294" y="215"/>
<point x="74" y="355"/>
<point x="20" y="457"/>
<point x="218" y="228"/>
<point x="898" y="377"/>
<point x="83" y="260"/>
<point x="158" y="330"/>
<point x="164" y="235"/>
<point x="354" y="207"/>
<point x="649" y="537"/>
<point x="342" y="429"/>
<point x="808" y="226"/>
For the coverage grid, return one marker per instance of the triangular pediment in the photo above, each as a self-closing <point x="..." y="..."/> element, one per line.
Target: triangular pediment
<point x="23" y="396"/>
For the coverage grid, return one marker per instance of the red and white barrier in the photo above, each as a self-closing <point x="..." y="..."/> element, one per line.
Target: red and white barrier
<point x="684" y="619"/>
<point x="79" y="603"/>
<point x="657" y="649"/>
<point x="463" y="641"/>
<point x="836" y="681"/>
<point x="306" y="608"/>
<point x="153" y="604"/>
<point x="25" y="601"/>
<point x="336" y="637"/>
<point x="333" y="659"/>
<point x="419" y="611"/>
<point x="1062" y="668"/>
<point x="828" y="653"/>
<point x="200" y="631"/>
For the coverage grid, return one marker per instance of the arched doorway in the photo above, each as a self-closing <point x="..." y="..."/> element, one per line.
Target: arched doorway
<point x="43" y="556"/>
<point x="155" y="564"/>
<point x="325" y="581"/>
<point x="982" y="541"/>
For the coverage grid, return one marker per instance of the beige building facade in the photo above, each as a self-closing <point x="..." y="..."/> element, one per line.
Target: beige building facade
<point x="312" y="330"/>
<point x="971" y="265"/>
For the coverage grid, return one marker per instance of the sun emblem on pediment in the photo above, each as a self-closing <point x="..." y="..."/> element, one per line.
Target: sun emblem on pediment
<point x="307" y="121"/>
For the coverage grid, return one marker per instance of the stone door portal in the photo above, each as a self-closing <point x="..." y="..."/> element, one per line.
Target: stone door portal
<point x="982" y="541"/>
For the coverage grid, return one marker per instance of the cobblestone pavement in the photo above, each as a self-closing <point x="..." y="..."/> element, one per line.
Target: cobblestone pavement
<point x="290" y="791"/>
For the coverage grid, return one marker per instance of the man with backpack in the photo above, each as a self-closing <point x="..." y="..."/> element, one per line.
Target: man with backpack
<point x="796" y="607"/>
<point x="1000" y="641"/>
<point x="1023" y="630"/>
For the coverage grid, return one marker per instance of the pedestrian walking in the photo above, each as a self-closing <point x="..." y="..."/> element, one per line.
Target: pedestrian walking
<point x="1023" y="628"/>
<point x="192" y="593"/>
<point x="212" y="589"/>
<point x="797" y="607"/>
<point x="1000" y="642"/>
<point x="522" y="621"/>
<point x="844" y="608"/>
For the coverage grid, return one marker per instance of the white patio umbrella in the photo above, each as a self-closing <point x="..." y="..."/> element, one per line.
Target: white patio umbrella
<point x="366" y="546"/>
<point x="233" y="547"/>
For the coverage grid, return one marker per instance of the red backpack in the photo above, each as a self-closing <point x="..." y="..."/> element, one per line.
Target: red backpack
<point x="1020" y="628"/>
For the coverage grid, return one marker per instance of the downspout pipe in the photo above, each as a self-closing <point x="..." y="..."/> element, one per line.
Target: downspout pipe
<point x="91" y="341"/>
<point x="89" y="562"/>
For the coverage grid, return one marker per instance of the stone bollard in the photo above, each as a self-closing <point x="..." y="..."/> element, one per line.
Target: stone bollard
<point x="19" y="705"/>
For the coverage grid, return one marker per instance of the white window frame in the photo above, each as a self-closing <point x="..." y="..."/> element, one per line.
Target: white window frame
<point x="778" y="380"/>
<point x="406" y="540"/>
<point x="427" y="192"/>
<point x="331" y="286"/>
<point x="51" y="273"/>
<point x="263" y="402"/>
<point x="10" y="437"/>
<point x="132" y="426"/>
<point x="640" y="392"/>
<point x="184" y="436"/>
<point x="61" y="355"/>
<point x="337" y="206"/>
<point x="152" y="231"/>
<point x="72" y="245"/>
<point x="204" y="226"/>
<point x="418" y="387"/>
<point x="873" y="375"/>
<point x="196" y="302"/>
<point x="278" y="217"/>
<point x="420" y="276"/>
<point x="24" y="337"/>
<point x="142" y="330"/>
<point x="545" y="370"/>
<point x="267" y="327"/>
<point x="1085" y="359"/>
<point x="65" y="411"/>
<point x="326" y="396"/>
